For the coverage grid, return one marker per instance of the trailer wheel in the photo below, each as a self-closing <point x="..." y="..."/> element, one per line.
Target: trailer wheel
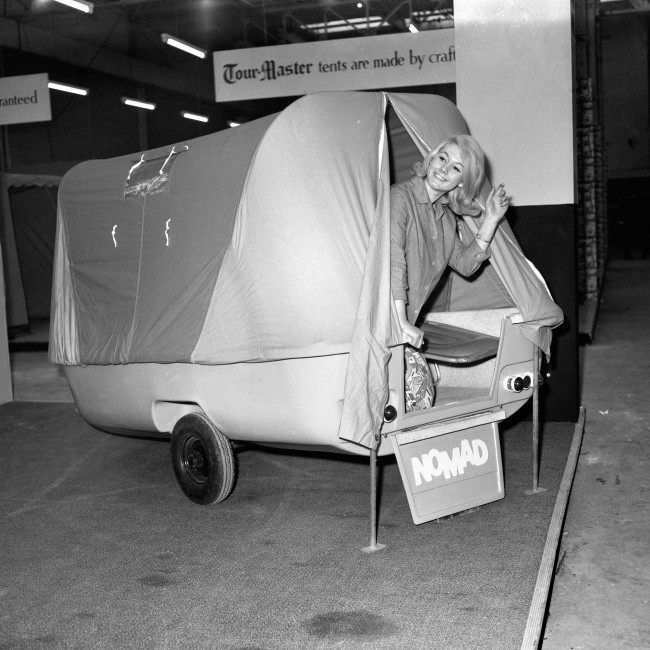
<point x="203" y="460"/>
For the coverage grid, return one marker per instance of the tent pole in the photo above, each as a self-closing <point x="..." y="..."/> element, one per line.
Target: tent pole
<point x="373" y="546"/>
<point x="536" y="382"/>
<point x="535" y="420"/>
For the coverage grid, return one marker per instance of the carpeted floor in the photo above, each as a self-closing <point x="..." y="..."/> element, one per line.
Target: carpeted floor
<point x="99" y="548"/>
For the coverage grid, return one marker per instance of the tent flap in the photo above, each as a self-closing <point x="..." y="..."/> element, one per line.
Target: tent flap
<point x="34" y="262"/>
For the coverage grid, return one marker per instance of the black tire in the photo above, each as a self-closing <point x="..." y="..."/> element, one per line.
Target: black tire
<point x="203" y="460"/>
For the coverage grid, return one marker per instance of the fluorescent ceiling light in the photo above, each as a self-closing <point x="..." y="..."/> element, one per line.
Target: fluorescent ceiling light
<point x="79" y="5"/>
<point x="67" y="88"/>
<point x="346" y="25"/>
<point x="138" y="104"/>
<point x="232" y="123"/>
<point x="182" y="45"/>
<point x="194" y="116"/>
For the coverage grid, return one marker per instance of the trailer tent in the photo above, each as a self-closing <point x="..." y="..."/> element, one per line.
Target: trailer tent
<point x="265" y="242"/>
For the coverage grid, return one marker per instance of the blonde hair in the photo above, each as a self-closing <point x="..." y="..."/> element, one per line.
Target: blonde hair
<point x="462" y="200"/>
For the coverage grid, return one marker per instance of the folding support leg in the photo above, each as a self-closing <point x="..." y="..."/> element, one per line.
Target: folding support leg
<point x="373" y="506"/>
<point x="535" y="416"/>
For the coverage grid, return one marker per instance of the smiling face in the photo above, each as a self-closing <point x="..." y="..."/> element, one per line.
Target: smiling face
<point x="445" y="171"/>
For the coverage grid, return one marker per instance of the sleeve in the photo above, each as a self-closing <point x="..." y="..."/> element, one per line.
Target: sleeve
<point x="398" y="224"/>
<point x="467" y="257"/>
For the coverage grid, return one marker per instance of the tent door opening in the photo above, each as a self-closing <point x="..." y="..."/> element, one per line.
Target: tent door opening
<point x="461" y="356"/>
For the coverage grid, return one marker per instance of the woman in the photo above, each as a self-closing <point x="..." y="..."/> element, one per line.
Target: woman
<point x="424" y="234"/>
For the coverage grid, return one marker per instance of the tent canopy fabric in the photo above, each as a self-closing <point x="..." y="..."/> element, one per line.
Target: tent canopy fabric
<point x="251" y="249"/>
<point x="267" y="241"/>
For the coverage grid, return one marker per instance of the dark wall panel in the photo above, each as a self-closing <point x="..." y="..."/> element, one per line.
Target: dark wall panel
<point x="547" y="235"/>
<point x="99" y="125"/>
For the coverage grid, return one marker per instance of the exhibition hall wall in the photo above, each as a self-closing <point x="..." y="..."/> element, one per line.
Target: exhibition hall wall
<point x="625" y="93"/>
<point x="625" y="56"/>
<point x="515" y="80"/>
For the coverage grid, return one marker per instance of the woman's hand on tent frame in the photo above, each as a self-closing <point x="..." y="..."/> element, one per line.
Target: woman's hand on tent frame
<point x="414" y="335"/>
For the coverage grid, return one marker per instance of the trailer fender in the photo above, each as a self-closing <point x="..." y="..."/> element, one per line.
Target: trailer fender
<point x="166" y="414"/>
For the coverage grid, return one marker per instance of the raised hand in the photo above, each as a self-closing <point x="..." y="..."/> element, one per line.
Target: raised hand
<point x="497" y="203"/>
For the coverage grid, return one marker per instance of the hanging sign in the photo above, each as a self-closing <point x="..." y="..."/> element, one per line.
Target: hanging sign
<point x="24" y="99"/>
<point x="391" y="61"/>
<point x="450" y="466"/>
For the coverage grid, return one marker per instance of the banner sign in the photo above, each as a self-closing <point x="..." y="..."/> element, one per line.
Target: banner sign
<point x="391" y="61"/>
<point x="446" y="473"/>
<point x="24" y="99"/>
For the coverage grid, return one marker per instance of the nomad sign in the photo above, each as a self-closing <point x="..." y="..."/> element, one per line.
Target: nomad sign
<point x="24" y="99"/>
<point x="392" y="61"/>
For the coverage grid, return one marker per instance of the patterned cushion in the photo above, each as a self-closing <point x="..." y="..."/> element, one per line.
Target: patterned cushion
<point x="419" y="387"/>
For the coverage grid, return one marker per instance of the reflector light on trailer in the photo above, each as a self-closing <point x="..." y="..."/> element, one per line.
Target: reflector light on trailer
<point x="518" y="383"/>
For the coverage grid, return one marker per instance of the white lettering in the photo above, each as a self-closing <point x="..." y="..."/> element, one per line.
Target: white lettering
<point x="452" y="465"/>
<point x="480" y="452"/>
<point x="474" y="453"/>
<point x="466" y="453"/>
<point x="437" y="470"/>
<point x="422" y="469"/>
